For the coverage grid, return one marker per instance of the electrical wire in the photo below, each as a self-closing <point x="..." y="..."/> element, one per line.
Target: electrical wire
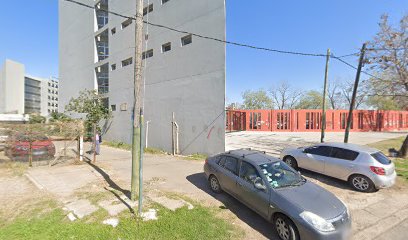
<point x="201" y="36"/>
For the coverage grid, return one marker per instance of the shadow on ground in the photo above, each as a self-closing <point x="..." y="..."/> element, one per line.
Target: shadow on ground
<point x="334" y="182"/>
<point x="241" y="211"/>
<point x="112" y="185"/>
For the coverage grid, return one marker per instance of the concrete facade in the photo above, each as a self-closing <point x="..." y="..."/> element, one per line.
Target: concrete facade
<point x="183" y="74"/>
<point x="24" y="94"/>
<point x="41" y="95"/>
<point x="12" y="87"/>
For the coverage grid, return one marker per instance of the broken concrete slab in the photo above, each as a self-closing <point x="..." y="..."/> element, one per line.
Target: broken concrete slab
<point x="169" y="203"/>
<point x="71" y="217"/>
<point x="81" y="208"/>
<point x="111" y="221"/>
<point x="116" y="206"/>
<point x="151" y="214"/>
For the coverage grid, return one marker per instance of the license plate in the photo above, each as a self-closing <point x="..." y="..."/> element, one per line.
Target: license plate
<point x="39" y="153"/>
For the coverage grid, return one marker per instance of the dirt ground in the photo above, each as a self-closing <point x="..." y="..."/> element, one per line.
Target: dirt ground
<point x="375" y="215"/>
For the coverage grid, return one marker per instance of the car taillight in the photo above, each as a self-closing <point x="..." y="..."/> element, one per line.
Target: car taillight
<point x="378" y="170"/>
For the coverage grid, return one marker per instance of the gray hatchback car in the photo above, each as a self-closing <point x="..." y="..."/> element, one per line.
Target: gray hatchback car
<point x="365" y="168"/>
<point x="298" y="209"/>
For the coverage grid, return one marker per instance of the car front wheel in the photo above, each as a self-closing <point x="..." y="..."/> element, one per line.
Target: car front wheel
<point x="361" y="183"/>
<point x="285" y="228"/>
<point x="215" y="184"/>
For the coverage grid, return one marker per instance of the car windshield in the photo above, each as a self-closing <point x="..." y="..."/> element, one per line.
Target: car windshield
<point x="279" y="175"/>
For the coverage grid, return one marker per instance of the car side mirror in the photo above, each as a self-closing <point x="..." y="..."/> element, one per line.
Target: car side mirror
<point x="259" y="184"/>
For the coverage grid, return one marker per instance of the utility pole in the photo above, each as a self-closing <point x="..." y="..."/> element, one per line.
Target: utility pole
<point x="353" y="98"/>
<point x="137" y="107"/>
<point x="326" y="75"/>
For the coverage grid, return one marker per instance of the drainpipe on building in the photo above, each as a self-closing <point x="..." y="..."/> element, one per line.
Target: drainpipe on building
<point x="177" y="137"/>
<point x="147" y="133"/>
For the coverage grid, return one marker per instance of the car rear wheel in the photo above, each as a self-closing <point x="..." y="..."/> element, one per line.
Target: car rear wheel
<point x="285" y="228"/>
<point x="215" y="184"/>
<point x="361" y="183"/>
<point x="291" y="161"/>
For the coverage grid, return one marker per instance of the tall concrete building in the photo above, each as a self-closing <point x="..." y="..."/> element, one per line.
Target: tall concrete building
<point x="184" y="75"/>
<point x="41" y="95"/>
<point x="12" y="87"/>
<point x="24" y="94"/>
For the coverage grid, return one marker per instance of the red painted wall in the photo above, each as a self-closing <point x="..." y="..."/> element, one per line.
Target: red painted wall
<point x="309" y="120"/>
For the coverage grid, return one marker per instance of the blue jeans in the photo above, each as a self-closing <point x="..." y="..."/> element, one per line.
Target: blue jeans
<point x="97" y="147"/>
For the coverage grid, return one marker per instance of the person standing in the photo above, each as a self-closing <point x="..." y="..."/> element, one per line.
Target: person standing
<point x="98" y="141"/>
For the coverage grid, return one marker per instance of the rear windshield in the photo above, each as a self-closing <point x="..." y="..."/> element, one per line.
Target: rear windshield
<point x="380" y="157"/>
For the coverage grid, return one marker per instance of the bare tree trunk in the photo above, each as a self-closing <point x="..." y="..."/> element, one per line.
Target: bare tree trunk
<point x="404" y="148"/>
<point x="30" y="153"/>
<point x="94" y="144"/>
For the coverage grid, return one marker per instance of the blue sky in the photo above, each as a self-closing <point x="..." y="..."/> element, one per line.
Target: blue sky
<point x="305" y="26"/>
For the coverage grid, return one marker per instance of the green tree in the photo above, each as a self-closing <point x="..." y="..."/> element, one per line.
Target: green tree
<point x="62" y="117"/>
<point x="36" y="118"/>
<point x="312" y="100"/>
<point x="91" y="105"/>
<point x="382" y="103"/>
<point x="256" y="100"/>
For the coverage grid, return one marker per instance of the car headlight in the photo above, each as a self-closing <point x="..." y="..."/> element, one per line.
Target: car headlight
<point x="318" y="222"/>
<point x="347" y="209"/>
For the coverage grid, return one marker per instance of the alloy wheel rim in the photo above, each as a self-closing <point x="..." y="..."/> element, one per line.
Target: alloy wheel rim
<point x="214" y="184"/>
<point x="360" y="183"/>
<point x="282" y="228"/>
<point x="289" y="161"/>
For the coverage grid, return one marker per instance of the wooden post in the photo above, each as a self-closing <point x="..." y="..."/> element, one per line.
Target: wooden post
<point x="326" y="74"/>
<point x="137" y="103"/>
<point x="353" y="98"/>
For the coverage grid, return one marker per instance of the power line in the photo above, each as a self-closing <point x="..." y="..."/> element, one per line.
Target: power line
<point x="199" y="35"/>
<point x="352" y="66"/>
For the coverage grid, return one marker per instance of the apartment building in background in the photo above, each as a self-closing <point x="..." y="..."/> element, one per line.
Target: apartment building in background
<point x="25" y="94"/>
<point x="183" y="74"/>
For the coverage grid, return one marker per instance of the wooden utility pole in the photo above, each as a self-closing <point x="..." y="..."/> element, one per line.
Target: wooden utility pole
<point x="326" y="75"/>
<point x="353" y="98"/>
<point x="137" y="107"/>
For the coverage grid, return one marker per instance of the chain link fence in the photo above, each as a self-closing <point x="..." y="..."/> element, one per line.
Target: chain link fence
<point x="41" y="143"/>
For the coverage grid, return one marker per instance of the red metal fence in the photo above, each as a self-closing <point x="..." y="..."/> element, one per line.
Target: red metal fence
<point x="310" y="120"/>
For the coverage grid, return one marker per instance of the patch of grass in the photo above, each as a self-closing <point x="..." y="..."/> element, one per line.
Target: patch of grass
<point x="120" y="145"/>
<point x="16" y="168"/>
<point x="152" y="150"/>
<point x="196" y="156"/>
<point x="401" y="164"/>
<point x="387" y="144"/>
<point x="199" y="223"/>
<point x="128" y="147"/>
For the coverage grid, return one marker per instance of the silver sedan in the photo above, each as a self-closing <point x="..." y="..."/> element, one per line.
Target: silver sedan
<point x="366" y="169"/>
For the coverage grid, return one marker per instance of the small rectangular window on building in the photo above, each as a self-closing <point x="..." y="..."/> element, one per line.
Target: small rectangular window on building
<point x="147" y="54"/>
<point x="113" y="31"/>
<point x="127" y="62"/>
<point x="186" y="40"/>
<point x="148" y="9"/>
<point x="113" y="67"/>
<point x="113" y="108"/>
<point x="126" y="23"/>
<point x="164" y="1"/>
<point x="166" y="47"/>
